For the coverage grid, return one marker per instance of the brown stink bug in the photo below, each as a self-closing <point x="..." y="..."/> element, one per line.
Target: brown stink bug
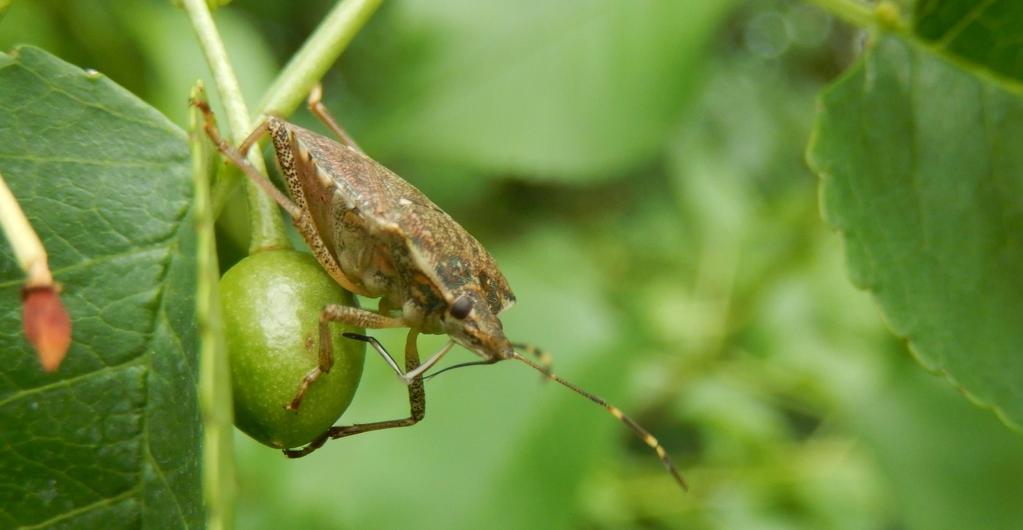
<point x="380" y="237"/>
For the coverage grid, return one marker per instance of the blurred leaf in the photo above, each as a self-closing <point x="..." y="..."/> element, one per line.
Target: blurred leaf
<point x="175" y="61"/>
<point x="951" y="466"/>
<point x="921" y="173"/>
<point x="28" y="22"/>
<point x="212" y="4"/>
<point x="112" y="439"/>
<point x="569" y="90"/>
<point x="988" y="34"/>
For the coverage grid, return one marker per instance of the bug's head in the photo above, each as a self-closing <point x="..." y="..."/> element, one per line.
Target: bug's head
<point x="470" y="322"/>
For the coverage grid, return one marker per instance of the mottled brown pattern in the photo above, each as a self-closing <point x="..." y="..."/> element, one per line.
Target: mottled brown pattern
<point x="381" y="235"/>
<point x="366" y="204"/>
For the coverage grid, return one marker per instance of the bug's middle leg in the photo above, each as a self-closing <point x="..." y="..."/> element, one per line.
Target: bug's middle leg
<point x="338" y="313"/>
<point x="416" y="399"/>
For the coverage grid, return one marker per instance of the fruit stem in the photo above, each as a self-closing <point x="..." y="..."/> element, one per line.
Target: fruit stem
<point x="266" y="226"/>
<point x="316" y="56"/>
<point x="214" y="372"/>
<point x="28" y="249"/>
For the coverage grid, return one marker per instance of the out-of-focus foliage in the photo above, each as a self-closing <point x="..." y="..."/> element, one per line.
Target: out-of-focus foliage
<point x="985" y="34"/>
<point x="668" y="251"/>
<point x="576" y="89"/>
<point x="924" y="185"/>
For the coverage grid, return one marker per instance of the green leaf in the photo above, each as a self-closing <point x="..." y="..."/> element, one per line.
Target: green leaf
<point x="569" y="90"/>
<point x="922" y="173"/>
<point x="986" y="33"/>
<point x="112" y="439"/>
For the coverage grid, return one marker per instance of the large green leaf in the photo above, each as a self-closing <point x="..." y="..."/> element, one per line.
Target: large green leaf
<point x="922" y="172"/>
<point x="988" y="34"/>
<point x="111" y="439"/>
<point x="570" y="89"/>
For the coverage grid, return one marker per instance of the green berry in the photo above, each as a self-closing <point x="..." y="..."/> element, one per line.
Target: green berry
<point x="271" y="302"/>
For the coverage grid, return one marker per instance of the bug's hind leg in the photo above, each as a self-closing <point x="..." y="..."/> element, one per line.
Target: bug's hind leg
<point x="416" y="399"/>
<point x="318" y="109"/>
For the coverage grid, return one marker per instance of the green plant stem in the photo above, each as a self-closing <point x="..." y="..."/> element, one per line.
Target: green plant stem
<point x="317" y="55"/>
<point x="305" y="69"/>
<point x="28" y="249"/>
<point x="267" y="229"/>
<point x="851" y="11"/>
<point x="214" y="373"/>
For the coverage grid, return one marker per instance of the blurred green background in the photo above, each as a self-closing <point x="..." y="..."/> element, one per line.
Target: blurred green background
<point x="637" y="169"/>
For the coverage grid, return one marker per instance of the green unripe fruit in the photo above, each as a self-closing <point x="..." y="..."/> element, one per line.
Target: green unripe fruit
<point x="272" y="302"/>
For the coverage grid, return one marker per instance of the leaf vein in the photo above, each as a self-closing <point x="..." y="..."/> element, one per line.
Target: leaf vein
<point x="973" y="14"/>
<point x="67" y="382"/>
<point x="87" y="508"/>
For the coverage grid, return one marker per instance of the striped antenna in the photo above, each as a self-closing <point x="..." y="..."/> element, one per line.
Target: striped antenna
<point x="616" y="412"/>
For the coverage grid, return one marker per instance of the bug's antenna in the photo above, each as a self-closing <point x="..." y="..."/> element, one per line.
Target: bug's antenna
<point x="616" y="412"/>
<point x="459" y="365"/>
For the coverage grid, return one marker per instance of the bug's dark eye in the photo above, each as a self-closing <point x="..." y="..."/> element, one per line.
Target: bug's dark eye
<point x="461" y="307"/>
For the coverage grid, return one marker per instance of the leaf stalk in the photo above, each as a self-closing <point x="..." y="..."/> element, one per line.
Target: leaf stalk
<point x="266" y="226"/>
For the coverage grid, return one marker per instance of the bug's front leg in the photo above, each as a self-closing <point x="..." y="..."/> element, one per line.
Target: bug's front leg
<point x="352" y="316"/>
<point x="416" y="399"/>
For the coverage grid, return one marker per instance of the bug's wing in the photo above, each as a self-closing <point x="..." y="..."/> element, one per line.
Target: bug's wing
<point x="448" y="254"/>
<point x="438" y="246"/>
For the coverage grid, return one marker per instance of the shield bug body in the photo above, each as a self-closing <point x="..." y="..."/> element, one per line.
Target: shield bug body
<point x="380" y="237"/>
